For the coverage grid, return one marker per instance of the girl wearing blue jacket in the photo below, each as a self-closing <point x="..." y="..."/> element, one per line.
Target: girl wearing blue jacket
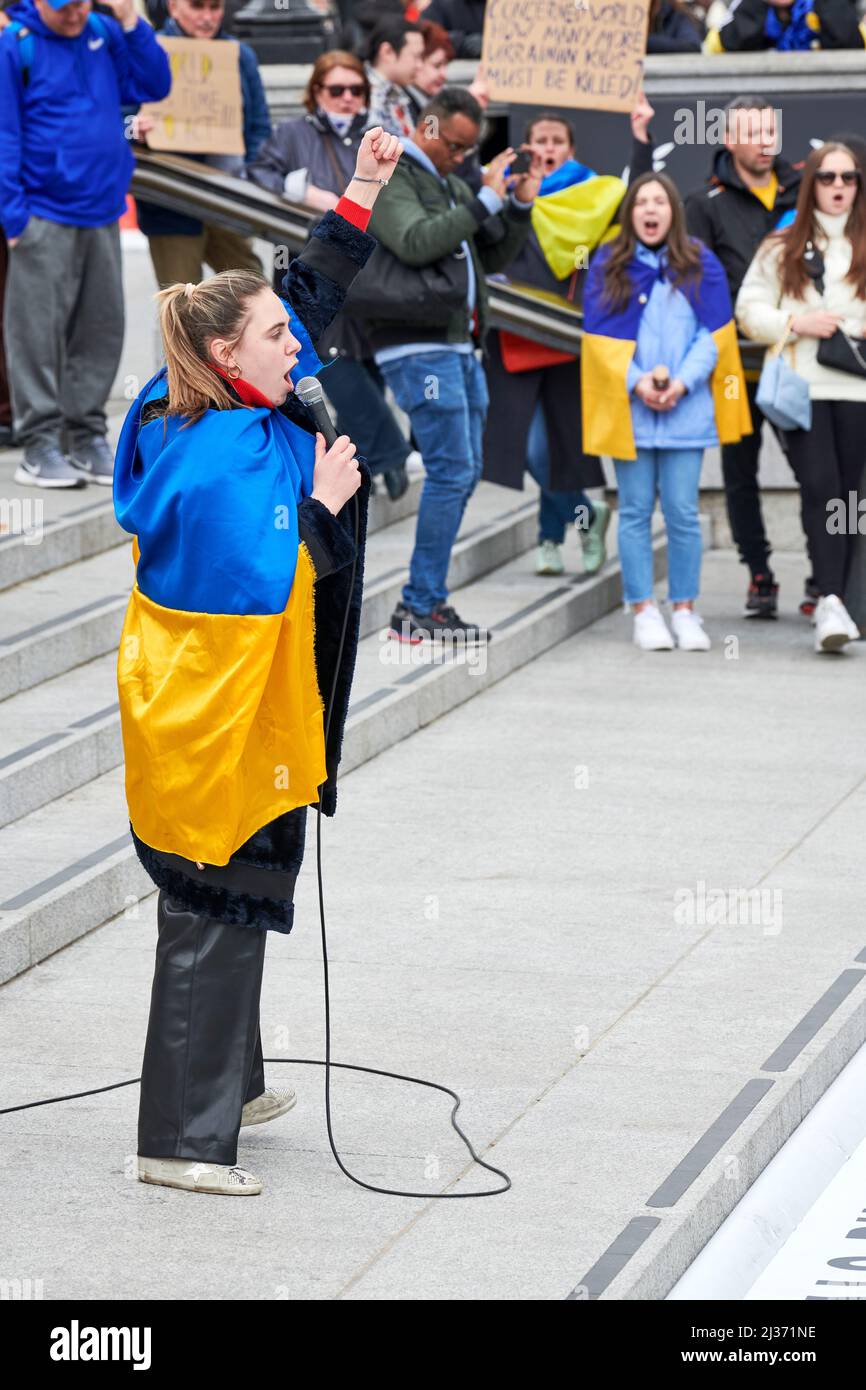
<point x="662" y="378"/>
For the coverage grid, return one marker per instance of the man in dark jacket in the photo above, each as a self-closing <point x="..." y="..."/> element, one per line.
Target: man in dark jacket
<point x="672" y="30"/>
<point x="180" y="246"/>
<point x="789" y="25"/>
<point x="394" y="52"/>
<point x="65" y="168"/>
<point x="424" y="218"/>
<point x="464" y="20"/>
<point x="752" y="190"/>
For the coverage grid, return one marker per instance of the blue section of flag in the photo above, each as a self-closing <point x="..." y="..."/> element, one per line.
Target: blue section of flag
<point x="214" y="504"/>
<point x="709" y="297"/>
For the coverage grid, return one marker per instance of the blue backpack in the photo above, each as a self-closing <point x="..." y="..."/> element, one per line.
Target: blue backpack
<point x="95" y="25"/>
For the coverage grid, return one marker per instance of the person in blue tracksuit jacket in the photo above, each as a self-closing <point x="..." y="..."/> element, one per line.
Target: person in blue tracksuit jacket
<point x="181" y="246"/>
<point x="65" y="167"/>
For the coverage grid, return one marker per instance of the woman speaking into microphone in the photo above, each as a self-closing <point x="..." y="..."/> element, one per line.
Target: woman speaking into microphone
<point x="243" y="525"/>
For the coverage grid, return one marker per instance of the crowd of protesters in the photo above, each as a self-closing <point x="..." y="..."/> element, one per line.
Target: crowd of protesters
<point x="775" y="250"/>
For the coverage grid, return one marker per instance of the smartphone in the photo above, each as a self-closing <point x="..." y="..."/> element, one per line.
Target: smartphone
<point x="521" y="163"/>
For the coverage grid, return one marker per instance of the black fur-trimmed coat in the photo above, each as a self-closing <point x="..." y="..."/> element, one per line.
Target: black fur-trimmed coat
<point x="255" y="888"/>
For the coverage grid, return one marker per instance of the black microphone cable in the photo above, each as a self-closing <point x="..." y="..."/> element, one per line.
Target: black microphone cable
<point x="374" y="1071"/>
<point x="317" y="1062"/>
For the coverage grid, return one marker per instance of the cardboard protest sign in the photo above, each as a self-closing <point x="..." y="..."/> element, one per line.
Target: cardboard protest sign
<point x="586" y="53"/>
<point x="203" y="112"/>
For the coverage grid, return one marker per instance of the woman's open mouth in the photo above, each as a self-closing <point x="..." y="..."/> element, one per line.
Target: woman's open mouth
<point x="650" y="227"/>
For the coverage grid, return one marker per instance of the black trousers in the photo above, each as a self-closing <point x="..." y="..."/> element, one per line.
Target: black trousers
<point x="514" y="397"/>
<point x="203" y="1053"/>
<point x="743" y="495"/>
<point x="828" y="463"/>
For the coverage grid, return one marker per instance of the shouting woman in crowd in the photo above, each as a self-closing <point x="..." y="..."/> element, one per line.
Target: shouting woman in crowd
<point x="662" y="381"/>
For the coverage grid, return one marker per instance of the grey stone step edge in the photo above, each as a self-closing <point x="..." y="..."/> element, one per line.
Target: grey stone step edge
<point x="32" y="547"/>
<point x="29" y="549"/>
<point x="65" y="758"/>
<point x="656" y="1246"/>
<point x="82" y="895"/>
<point x="70" y="638"/>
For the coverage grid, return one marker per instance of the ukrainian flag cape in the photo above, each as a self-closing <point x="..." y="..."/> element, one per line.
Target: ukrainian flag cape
<point x="609" y="341"/>
<point x="220" y="707"/>
<point x="573" y="212"/>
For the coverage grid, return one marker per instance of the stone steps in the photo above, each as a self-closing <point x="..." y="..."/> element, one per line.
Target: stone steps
<point x="62" y="787"/>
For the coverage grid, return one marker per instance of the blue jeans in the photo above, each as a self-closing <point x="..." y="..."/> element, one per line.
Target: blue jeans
<point x="673" y="475"/>
<point x="357" y="394"/>
<point x="556" y="509"/>
<point x="445" y="396"/>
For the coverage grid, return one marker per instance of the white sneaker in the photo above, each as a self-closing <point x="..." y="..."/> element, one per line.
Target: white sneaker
<point x="689" y="631"/>
<point x="548" y="558"/>
<point x="415" y="464"/>
<point x="834" y="626"/>
<point x="651" y="631"/>
<point x="193" y="1176"/>
<point x="268" y="1106"/>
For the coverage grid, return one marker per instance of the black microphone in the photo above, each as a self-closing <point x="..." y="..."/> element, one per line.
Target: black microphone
<point x="309" y="390"/>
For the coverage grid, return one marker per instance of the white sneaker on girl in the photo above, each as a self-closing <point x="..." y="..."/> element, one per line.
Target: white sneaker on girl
<point x="689" y="631"/>
<point x="651" y="631"/>
<point x="834" y="626"/>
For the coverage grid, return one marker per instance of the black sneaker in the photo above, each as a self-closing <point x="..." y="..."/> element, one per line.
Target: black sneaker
<point x="762" y="600"/>
<point x="810" y="598"/>
<point x="442" y="624"/>
<point x="396" y="482"/>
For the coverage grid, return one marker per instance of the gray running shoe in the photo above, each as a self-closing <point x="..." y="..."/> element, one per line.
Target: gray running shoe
<point x="45" y="465"/>
<point x="94" y="459"/>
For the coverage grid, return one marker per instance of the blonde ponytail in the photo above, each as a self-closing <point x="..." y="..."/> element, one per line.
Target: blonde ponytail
<point x="190" y="317"/>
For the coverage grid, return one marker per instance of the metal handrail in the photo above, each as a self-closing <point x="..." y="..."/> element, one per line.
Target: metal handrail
<point x="190" y="187"/>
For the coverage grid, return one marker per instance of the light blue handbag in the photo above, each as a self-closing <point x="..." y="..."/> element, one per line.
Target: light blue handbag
<point x="783" y="395"/>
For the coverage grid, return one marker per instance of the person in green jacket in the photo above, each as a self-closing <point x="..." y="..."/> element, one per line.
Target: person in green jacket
<point x="428" y="213"/>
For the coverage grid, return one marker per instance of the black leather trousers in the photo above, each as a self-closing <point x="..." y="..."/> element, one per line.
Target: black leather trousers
<point x="203" y="1053"/>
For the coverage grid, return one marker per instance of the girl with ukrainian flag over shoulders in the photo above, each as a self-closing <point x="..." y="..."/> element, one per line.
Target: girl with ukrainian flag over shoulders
<point x="533" y="422"/>
<point x="662" y="380"/>
<point x="243" y="544"/>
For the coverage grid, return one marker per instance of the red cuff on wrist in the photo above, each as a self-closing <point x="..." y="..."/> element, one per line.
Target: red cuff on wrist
<point x="354" y="213"/>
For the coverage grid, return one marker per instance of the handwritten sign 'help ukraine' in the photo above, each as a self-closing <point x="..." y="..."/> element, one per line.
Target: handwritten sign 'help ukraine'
<point x="585" y="53"/>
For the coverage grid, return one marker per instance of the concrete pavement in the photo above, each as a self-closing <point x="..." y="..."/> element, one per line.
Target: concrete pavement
<point x="614" y="901"/>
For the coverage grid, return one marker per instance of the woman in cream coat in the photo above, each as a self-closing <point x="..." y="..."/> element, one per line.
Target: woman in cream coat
<point x="783" y="291"/>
